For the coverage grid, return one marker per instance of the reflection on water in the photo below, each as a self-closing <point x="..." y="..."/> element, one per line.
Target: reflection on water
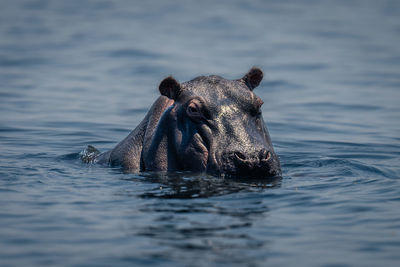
<point x="192" y="226"/>
<point x="189" y="185"/>
<point x="74" y="73"/>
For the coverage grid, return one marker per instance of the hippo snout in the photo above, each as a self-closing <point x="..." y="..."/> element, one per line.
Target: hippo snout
<point x="252" y="159"/>
<point x="262" y="163"/>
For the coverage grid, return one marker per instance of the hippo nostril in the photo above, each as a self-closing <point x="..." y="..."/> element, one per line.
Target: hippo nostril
<point x="265" y="155"/>
<point x="240" y="155"/>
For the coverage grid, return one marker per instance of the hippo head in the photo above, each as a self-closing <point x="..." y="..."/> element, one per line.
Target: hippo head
<point x="217" y="126"/>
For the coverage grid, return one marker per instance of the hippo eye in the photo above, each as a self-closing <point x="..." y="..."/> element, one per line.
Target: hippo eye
<point x="256" y="112"/>
<point x="193" y="110"/>
<point x="257" y="109"/>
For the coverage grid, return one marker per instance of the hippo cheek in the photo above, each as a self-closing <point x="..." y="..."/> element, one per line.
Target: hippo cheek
<point x="195" y="155"/>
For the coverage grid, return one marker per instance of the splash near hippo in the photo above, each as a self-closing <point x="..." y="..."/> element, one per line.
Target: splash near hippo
<point x="208" y="124"/>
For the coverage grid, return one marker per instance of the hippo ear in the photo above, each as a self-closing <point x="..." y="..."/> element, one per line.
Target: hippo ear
<point x="253" y="78"/>
<point x="170" y="87"/>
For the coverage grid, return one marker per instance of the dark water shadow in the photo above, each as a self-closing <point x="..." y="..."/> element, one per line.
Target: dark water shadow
<point x="186" y="185"/>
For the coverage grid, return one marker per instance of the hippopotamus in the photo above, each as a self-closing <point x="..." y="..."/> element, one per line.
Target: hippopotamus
<point x="209" y="124"/>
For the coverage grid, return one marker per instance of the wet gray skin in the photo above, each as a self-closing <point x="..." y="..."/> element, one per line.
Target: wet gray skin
<point x="208" y="124"/>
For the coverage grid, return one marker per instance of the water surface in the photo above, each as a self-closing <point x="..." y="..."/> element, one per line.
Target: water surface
<point x="74" y="73"/>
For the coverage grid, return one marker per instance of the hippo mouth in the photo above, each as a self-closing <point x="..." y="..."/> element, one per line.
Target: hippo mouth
<point x="263" y="164"/>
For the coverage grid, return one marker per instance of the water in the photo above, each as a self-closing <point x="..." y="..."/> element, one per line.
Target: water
<point x="74" y="73"/>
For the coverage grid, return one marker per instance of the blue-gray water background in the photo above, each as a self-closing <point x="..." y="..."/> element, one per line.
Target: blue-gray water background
<point x="74" y="73"/>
